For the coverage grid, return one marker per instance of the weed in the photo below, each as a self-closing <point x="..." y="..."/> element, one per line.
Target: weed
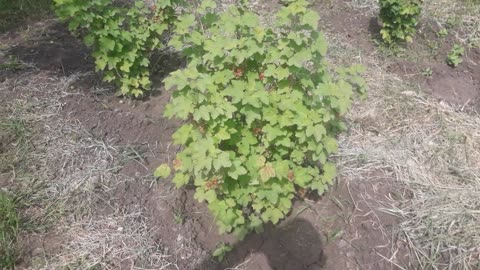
<point x="221" y="250"/>
<point x="13" y="64"/>
<point x="179" y="217"/>
<point x="442" y="33"/>
<point x="454" y="57"/>
<point x="433" y="48"/>
<point x="427" y="72"/>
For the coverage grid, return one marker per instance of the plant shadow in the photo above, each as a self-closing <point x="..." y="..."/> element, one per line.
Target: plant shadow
<point x="374" y="29"/>
<point x="53" y="48"/>
<point x="294" y="245"/>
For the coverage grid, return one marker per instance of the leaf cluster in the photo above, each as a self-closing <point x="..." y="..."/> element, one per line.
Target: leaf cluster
<point x="262" y="109"/>
<point x="121" y="37"/>
<point x="454" y="57"/>
<point x="399" y="19"/>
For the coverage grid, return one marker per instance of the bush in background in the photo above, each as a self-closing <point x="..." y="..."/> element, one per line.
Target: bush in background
<point x="399" y="19"/>
<point x="122" y="37"/>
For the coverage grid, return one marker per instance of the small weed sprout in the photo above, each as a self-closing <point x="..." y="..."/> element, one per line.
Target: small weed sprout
<point x="454" y="57"/>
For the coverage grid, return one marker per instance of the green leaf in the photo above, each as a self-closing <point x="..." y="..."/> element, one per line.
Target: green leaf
<point x="182" y="135"/>
<point x="126" y="67"/>
<point x="281" y="169"/>
<point x="329" y="173"/>
<point x="180" y="179"/>
<point x="260" y="161"/>
<point x="101" y="63"/>
<point x="89" y="40"/>
<point x="318" y="131"/>
<point x="311" y="19"/>
<point x="223" y="134"/>
<point x="163" y="171"/>
<point x="207" y="4"/>
<point x="299" y="58"/>
<point x="272" y="214"/>
<point x="302" y="177"/>
<point x="267" y="172"/>
<point x="331" y="145"/>
<point x="208" y="196"/>
<point x="106" y="44"/>
<point x="237" y="171"/>
<point x="319" y="186"/>
<point x="285" y="204"/>
<point x="222" y="161"/>
<point x="220" y="252"/>
<point x="273" y="132"/>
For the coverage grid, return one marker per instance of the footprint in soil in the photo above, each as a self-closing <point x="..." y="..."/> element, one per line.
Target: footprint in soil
<point x="293" y="246"/>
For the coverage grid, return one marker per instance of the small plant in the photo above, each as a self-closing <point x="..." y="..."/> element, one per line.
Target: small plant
<point x="262" y="109"/>
<point x="221" y="251"/>
<point x="433" y="48"/>
<point x="122" y="38"/>
<point x="399" y="19"/>
<point x="12" y="64"/>
<point x="427" y="72"/>
<point x="442" y="33"/>
<point x="452" y="22"/>
<point x="454" y="57"/>
<point x="179" y="218"/>
<point x="8" y="231"/>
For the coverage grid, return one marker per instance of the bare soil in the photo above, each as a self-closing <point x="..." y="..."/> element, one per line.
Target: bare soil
<point x="341" y="230"/>
<point x="459" y="86"/>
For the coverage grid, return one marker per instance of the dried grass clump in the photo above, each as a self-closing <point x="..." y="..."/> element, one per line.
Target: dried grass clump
<point x="431" y="150"/>
<point x="67" y="174"/>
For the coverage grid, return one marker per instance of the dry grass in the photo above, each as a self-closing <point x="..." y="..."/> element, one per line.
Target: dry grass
<point x="114" y="242"/>
<point x="462" y="15"/>
<point x="66" y="176"/>
<point x="432" y="150"/>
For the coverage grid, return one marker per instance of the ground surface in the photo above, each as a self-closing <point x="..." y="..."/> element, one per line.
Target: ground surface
<point x="88" y="201"/>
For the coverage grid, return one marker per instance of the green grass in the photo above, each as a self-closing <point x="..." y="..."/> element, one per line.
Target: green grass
<point x="15" y="12"/>
<point x="8" y="231"/>
<point x="12" y="64"/>
<point x="13" y="146"/>
<point x="14" y="142"/>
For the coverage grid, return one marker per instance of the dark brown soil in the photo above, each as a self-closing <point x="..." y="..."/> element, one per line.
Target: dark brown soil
<point x="53" y="49"/>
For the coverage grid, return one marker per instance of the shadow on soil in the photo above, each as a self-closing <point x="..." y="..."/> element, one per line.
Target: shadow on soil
<point x="54" y="49"/>
<point x="18" y="14"/>
<point x="374" y="28"/>
<point x="294" y="245"/>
